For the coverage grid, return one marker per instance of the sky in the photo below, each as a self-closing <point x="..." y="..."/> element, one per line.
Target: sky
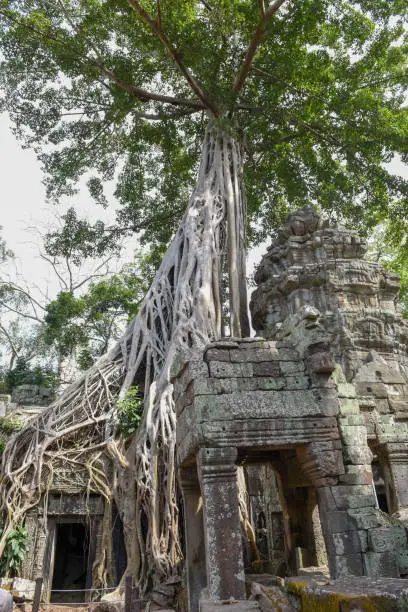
<point x="25" y="213"/>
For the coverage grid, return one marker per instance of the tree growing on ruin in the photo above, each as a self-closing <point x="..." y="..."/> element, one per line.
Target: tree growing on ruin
<point x="158" y="95"/>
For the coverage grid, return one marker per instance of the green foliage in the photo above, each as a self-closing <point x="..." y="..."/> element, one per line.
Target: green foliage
<point x="24" y="374"/>
<point x="88" y="322"/>
<point x="323" y="107"/>
<point x="79" y="240"/>
<point x="9" y="425"/>
<point x="130" y="411"/>
<point x="13" y="555"/>
<point x="389" y="246"/>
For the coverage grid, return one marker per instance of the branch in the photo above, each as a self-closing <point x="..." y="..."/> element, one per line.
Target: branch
<point x="156" y="28"/>
<point x="64" y="284"/>
<point x="93" y="274"/>
<point x="33" y="302"/>
<point x="21" y="314"/>
<point x="13" y="347"/>
<point x="254" y="44"/>
<point x="145" y="96"/>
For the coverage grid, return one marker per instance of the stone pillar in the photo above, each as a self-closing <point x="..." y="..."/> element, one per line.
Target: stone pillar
<point x="338" y="491"/>
<point x="222" y="530"/>
<point x="194" y="535"/>
<point x="396" y="464"/>
<point x="316" y="538"/>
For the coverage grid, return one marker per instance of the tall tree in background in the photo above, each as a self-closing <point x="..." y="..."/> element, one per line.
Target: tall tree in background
<point x="67" y="332"/>
<point x="310" y="93"/>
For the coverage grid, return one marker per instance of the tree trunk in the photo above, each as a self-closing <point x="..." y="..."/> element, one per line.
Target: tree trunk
<point x="182" y="311"/>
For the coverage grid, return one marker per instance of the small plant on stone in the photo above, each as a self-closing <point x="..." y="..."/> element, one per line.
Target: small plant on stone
<point x="130" y="411"/>
<point x="13" y="555"/>
<point x="9" y="425"/>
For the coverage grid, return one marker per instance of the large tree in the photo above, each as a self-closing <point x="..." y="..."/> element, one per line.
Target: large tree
<point x="152" y="94"/>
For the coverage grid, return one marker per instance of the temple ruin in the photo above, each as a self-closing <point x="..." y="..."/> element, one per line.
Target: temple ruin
<point x="320" y="399"/>
<point x="307" y="420"/>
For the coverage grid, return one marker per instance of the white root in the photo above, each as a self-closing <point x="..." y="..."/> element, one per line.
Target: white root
<point x="181" y="312"/>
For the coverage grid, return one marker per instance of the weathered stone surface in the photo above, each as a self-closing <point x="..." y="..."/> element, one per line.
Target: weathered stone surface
<point x="6" y="601"/>
<point x="391" y="537"/>
<point x="34" y="395"/>
<point x="270" y="597"/>
<point x="222" y="369"/>
<point x="381" y="564"/>
<point x="232" y="606"/>
<point x="349" y="594"/>
<point x="23" y="589"/>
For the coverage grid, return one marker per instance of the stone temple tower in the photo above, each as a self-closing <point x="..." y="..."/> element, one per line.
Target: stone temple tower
<point x="313" y="264"/>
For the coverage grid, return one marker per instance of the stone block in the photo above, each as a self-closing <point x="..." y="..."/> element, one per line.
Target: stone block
<point x="351" y="419"/>
<point x="378" y="390"/>
<point x="353" y="496"/>
<point x="348" y="565"/>
<point x="402" y="562"/>
<point x="23" y="589"/>
<point x="214" y="386"/>
<point x="366" y="518"/>
<point x="223" y="369"/>
<point x="349" y="406"/>
<point x="357" y="455"/>
<point x="346" y="390"/>
<point x="321" y="362"/>
<point x="326" y="501"/>
<point x="347" y="543"/>
<point x="356" y="478"/>
<point x="255" y="405"/>
<point x="386" y="538"/>
<point x="216" y="354"/>
<point x="254" y="354"/>
<point x="292" y="367"/>
<point x="352" y="434"/>
<point x="264" y="383"/>
<point x="340" y="520"/>
<point x="266" y="368"/>
<point x="378" y="564"/>
<point x="297" y="382"/>
<point x="197" y="368"/>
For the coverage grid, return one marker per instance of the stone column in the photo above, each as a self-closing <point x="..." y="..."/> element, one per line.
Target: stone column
<point x="194" y="535"/>
<point x="396" y="460"/>
<point x="222" y="530"/>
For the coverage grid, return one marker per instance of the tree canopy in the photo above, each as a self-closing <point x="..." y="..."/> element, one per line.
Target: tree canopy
<point x="117" y="90"/>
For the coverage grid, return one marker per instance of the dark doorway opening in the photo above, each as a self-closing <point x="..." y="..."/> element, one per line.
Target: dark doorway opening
<point x="118" y="545"/>
<point x="71" y="563"/>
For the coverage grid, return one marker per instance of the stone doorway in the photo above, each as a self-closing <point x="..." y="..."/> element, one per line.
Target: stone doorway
<point x="285" y="517"/>
<point x="71" y="563"/>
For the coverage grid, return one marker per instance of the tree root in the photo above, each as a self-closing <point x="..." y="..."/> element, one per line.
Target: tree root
<point x="181" y="312"/>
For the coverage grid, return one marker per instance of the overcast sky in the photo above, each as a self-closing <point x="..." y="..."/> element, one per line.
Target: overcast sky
<point x="24" y="210"/>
